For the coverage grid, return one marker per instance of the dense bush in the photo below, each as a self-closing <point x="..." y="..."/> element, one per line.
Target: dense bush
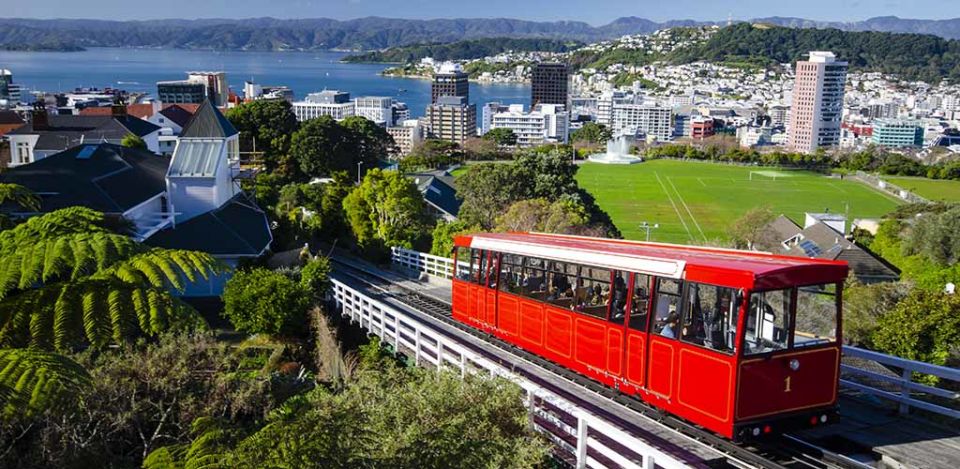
<point x="925" y="326"/>
<point x="315" y="277"/>
<point x="261" y="301"/>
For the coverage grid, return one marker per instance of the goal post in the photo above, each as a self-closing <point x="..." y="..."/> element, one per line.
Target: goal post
<point x="763" y="175"/>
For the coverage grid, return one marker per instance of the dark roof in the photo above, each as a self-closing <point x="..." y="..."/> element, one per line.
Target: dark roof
<point x="823" y="242"/>
<point x="207" y="122"/>
<point x="177" y="114"/>
<point x="106" y="177"/>
<point x="65" y="131"/>
<point x="438" y="190"/>
<point x="238" y="228"/>
<point x="8" y="117"/>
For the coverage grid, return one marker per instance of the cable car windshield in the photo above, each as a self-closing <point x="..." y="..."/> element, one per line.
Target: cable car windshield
<point x="770" y="320"/>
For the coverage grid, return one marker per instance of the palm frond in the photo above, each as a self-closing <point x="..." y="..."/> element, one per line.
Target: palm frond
<point x="207" y="450"/>
<point x="63" y="316"/>
<point x="32" y="380"/>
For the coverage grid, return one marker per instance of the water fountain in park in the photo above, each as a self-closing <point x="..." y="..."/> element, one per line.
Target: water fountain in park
<point x="618" y="152"/>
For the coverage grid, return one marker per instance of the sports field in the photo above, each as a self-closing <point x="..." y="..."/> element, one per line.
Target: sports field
<point x="695" y="202"/>
<point x="933" y="189"/>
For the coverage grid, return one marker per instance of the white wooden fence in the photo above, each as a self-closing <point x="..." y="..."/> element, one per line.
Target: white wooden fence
<point x="899" y="389"/>
<point x="589" y="440"/>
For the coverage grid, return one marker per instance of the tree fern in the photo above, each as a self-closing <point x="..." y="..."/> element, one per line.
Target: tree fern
<point x="32" y="380"/>
<point x="208" y="449"/>
<point x="63" y="316"/>
<point x="20" y="196"/>
<point x="72" y="220"/>
<point x="101" y="255"/>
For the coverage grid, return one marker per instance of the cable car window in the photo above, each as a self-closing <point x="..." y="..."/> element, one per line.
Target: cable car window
<point x="640" y="308"/>
<point x="591" y="293"/>
<point x="667" y="319"/>
<point x="768" y="321"/>
<point x="463" y="263"/>
<point x="478" y="263"/>
<point x="619" y="309"/>
<point x="561" y="278"/>
<point x="816" y="321"/>
<point x="511" y="273"/>
<point x="710" y="319"/>
<point x="534" y="282"/>
<point x="493" y="270"/>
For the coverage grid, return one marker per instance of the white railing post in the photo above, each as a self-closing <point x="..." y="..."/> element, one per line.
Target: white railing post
<point x="581" y="443"/>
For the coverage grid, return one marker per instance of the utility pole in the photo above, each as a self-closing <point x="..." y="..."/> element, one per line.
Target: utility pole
<point x="647" y="227"/>
<point x="358" y="171"/>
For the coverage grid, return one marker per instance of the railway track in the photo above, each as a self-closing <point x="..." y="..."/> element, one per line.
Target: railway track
<point x="780" y="452"/>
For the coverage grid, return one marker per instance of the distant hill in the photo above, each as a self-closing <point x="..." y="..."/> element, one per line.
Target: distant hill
<point x="371" y="33"/>
<point x="463" y="50"/>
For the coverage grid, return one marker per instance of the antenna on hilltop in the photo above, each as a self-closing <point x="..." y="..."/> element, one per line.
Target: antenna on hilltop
<point x="729" y="19"/>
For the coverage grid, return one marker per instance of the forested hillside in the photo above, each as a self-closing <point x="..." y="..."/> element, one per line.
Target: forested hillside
<point x="464" y="50"/>
<point x="912" y="56"/>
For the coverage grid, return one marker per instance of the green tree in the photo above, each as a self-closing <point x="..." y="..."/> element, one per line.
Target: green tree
<point x="315" y="277"/>
<point x="562" y="217"/>
<point x="133" y="141"/>
<point x="265" y="126"/>
<point x="924" y="326"/>
<point x="321" y="146"/>
<point x="262" y="301"/>
<point x="864" y="305"/>
<point x="19" y="197"/>
<point x="444" y="233"/>
<point x="371" y="142"/>
<point x="487" y="190"/>
<point x="502" y="136"/>
<point x="386" y="208"/>
<point x="593" y="133"/>
<point x="936" y="236"/>
<point x="750" y="230"/>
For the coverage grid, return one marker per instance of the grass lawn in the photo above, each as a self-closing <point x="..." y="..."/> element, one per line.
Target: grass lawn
<point x="695" y="202"/>
<point x="933" y="189"/>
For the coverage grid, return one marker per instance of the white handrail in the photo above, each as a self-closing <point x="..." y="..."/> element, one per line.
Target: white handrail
<point x="904" y="384"/>
<point x="547" y="410"/>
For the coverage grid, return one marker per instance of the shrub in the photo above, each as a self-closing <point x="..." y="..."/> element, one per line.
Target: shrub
<point x="924" y="326"/>
<point x="315" y="277"/>
<point x="263" y="301"/>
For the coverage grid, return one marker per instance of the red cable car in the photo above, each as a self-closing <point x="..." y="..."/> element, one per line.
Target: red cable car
<point x="741" y="343"/>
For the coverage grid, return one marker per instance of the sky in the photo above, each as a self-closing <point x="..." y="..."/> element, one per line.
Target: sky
<point x="596" y="12"/>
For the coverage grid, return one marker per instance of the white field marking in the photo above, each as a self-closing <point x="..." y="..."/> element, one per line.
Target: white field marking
<point x="837" y="187"/>
<point x="701" y="182"/>
<point x="685" y="206"/>
<point x="675" y="209"/>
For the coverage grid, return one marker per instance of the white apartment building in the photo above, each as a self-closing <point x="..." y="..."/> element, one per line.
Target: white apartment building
<point x="486" y="115"/>
<point x="653" y="121"/>
<point x="331" y="103"/>
<point x="378" y="109"/>
<point x="817" y="110"/>
<point x="547" y="123"/>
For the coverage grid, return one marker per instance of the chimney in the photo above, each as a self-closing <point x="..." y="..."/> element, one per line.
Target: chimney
<point x="118" y="110"/>
<point x="39" y="117"/>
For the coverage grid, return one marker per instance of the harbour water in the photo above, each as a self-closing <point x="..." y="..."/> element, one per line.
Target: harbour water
<point x="138" y="70"/>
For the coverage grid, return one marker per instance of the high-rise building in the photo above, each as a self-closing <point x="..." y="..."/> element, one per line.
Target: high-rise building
<point x="451" y="118"/>
<point x="450" y="80"/>
<point x="407" y="135"/>
<point x="817" y="110"/>
<point x="550" y="84"/>
<point x="547" y="123"/>
<point x="897" y="133"/>
<point x="331" y="103"/>
<point x="195" y="89"/>
<point x="652" y="121"/>
<point x="9" y="91"/>
<point x="378" y="109"/>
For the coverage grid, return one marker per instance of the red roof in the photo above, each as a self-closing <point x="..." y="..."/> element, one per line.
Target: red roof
<point x="667" y="260"/>
<point x="189" y="107"/>
<point x="142" y="111"/>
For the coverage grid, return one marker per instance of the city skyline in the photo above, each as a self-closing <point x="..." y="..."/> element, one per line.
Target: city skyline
<point x="600" y="12"/>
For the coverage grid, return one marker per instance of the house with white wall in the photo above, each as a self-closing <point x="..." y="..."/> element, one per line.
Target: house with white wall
<point x="188" y="201"/>
<point x="48" y="134"/>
